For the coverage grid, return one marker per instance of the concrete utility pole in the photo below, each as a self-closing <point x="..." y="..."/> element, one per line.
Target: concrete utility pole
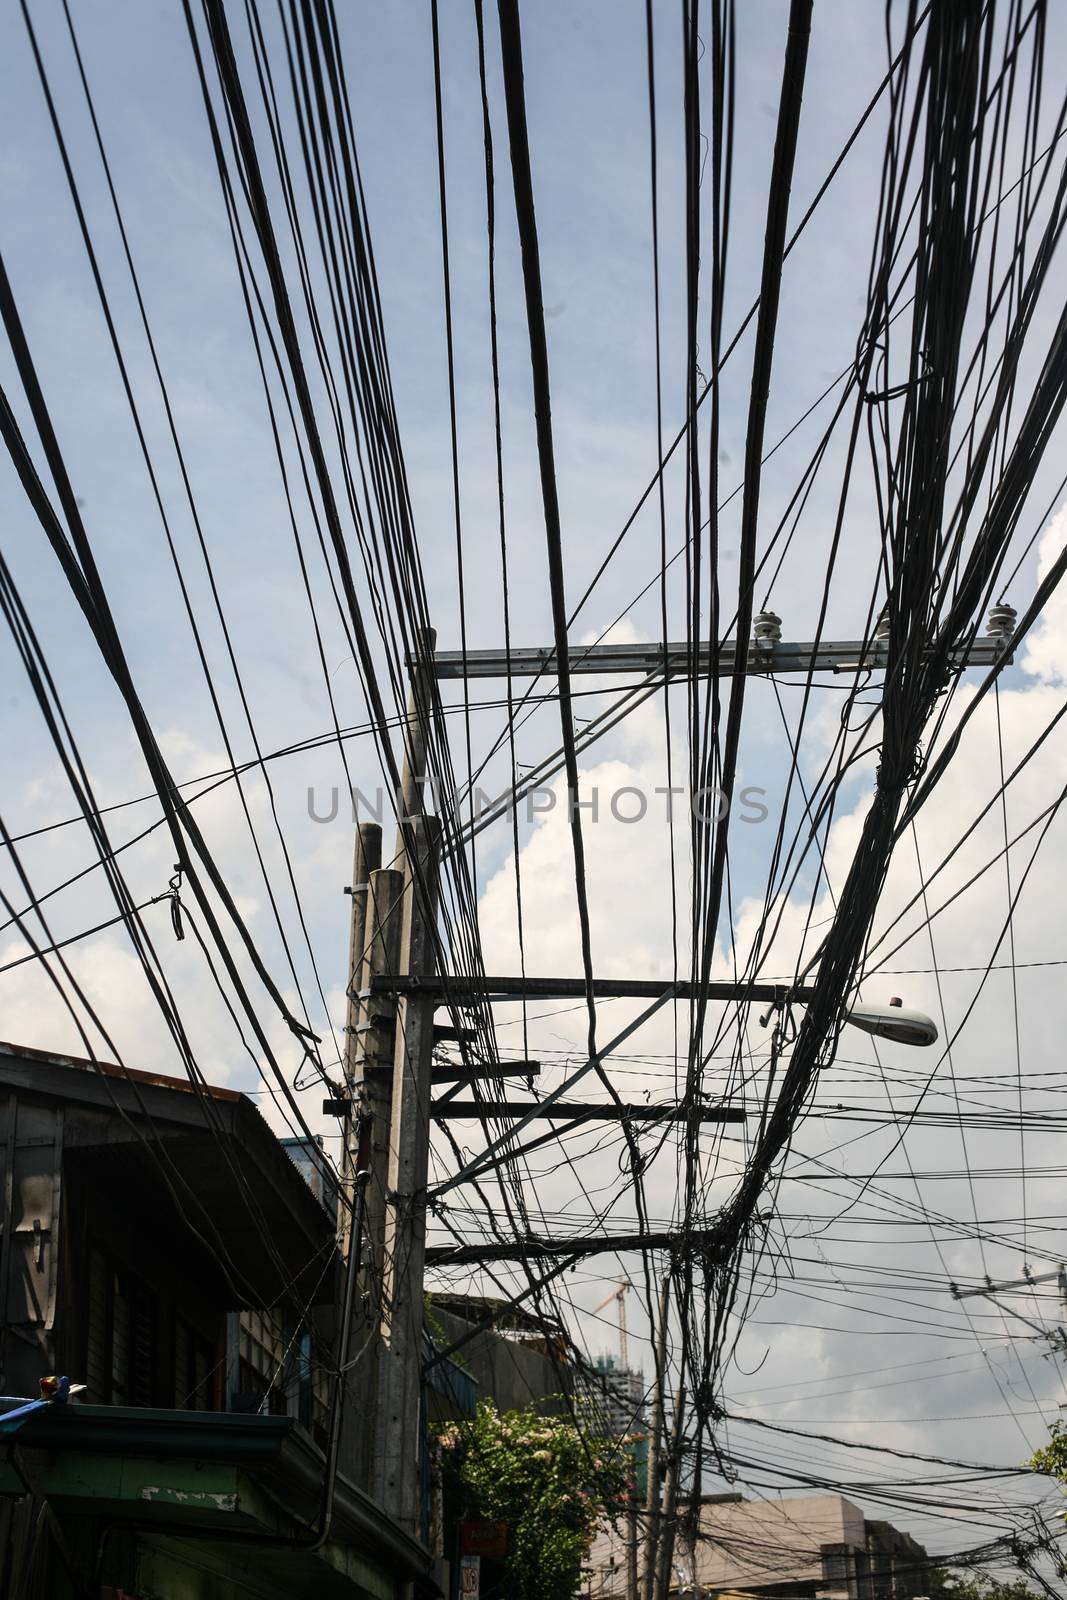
<point x="396" y="1474"/>
<point x="395" y="1477"/>
<point x="356" y="1150"/>
<point x="619" y="1296"/>
<point x="388" y="1052"/>
<point x="377" y="1037"/>
<point x="671" y="1486"/>
<point x="652" y="1487"/>
<point x="366" y="857"/>
<point x="372" y="1019"/>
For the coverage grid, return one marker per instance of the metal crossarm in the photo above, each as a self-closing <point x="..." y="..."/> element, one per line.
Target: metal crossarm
<point x="678" y="660"/>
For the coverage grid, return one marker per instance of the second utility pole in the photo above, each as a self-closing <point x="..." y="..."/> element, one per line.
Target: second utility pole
<point x="395" y="1477"/>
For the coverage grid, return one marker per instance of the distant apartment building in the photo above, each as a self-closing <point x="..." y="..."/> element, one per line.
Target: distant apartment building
<point x="811" y="1547"/>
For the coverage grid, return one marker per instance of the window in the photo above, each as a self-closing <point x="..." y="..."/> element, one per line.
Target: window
<point x="120" y="1343"/>
<point x="194" y="1368"/>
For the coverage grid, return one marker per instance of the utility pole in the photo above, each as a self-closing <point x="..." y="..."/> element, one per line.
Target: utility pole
<point x="399" y="1420"/>
<point x="367" y="856"/>
<point x="671" y="1485"/>
<point x="377" y="905"/>
<point x="395" y="1475"/>
<point x="632" y="1575"/>
<point x="388" y="1064"/>
<point x="619" y="1296"/>
<point x="655" y="1434"/>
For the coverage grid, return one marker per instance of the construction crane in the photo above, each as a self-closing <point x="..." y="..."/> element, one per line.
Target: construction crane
<point x="619" y="1296"/>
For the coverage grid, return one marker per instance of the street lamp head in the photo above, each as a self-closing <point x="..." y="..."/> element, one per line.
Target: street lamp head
<point x="894" y="1022"/>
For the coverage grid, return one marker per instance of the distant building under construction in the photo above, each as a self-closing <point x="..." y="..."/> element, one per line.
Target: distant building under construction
<point x="612" y="1399"/>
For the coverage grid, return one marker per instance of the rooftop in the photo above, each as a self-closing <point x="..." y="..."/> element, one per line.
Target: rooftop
<point x="208" y="1175"/>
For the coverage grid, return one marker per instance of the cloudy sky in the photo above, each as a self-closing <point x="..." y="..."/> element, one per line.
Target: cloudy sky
<point x="855" y="1331"/>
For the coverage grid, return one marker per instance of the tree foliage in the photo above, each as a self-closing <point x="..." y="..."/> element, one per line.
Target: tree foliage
<point x="1052" y="1459"/>
<point x="546" y="1480"/>
<point x="951" y="1584"/>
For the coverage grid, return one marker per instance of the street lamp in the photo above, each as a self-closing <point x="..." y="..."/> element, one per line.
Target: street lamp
<point x="894" y="1022"/>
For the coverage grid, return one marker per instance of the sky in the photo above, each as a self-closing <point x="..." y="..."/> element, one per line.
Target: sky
<point x="856" y="1332"/>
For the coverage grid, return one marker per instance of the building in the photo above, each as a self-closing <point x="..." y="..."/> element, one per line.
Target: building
<point x="506" y="1356"/>
<point x="799" y="1548"/>
<point x="612" y="1403"/>
<point x="614" y="1399"/>
<point x="160" y="1245"/>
